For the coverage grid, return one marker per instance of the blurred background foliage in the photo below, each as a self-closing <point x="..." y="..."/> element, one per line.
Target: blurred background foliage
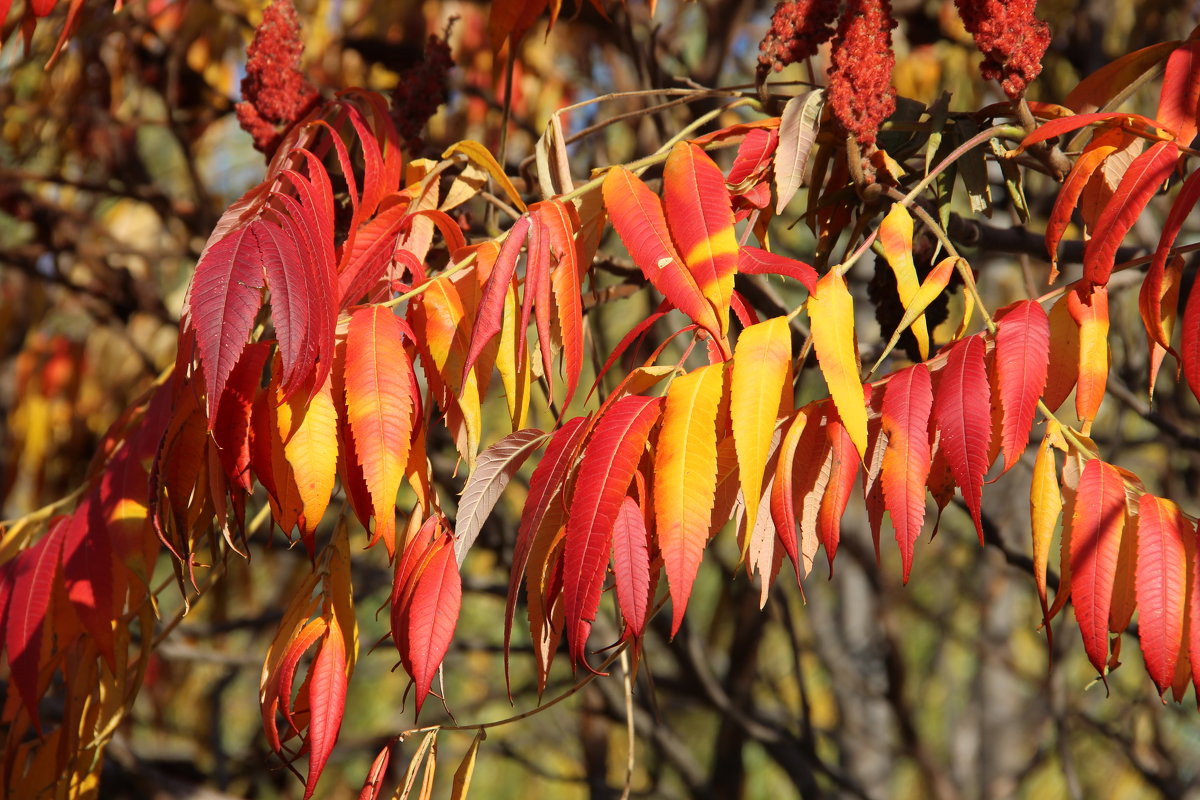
<point x="114" y="165"/>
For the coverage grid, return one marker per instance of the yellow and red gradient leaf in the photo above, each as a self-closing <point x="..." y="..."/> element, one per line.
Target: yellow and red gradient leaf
<point x="907" y="405"/>
<point x="326" y="703"/>
<point x="1045" y="505"/>
<point x="963" y="413"/>
<point x="896" y="242"/>
<point x="379" y="409"/>
<point x="831" y="312"/>
<point x="1090" y="313"/>
<point x="700" y="220"/>
<point x="609" y="462"/>
<point x="637" y="215"/>
<point x="1022" y="363"/>
<point x="760" y="387"/>
<point x="631" y="566"/>
<point x="308" y="428"/>
<point x="1097" y="520"/>
<point x="783" y="506"/>
<point x="1152" y="300"/>
<point x="685" y="478"/>
<point x="1141" y="181"/>
<point x="1162" y="577"/>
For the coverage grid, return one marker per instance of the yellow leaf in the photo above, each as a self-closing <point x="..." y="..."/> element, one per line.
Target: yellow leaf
<point x="462" y="776"/>
<point x="309" y="431"/>
<point x="896" y="242"/>
<point x="479" y="155"/>
<point x="831" y="313"/>
<point x="762" y="366"/>
<point x="1045" y="504"/>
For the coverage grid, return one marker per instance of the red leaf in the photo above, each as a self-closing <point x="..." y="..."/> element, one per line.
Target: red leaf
<point x="326" y="703"/>
<point x="545" y="488"/>
<point x="1189" y="344"/>
<point x="1150" y="299"/>
<point x="490" y="316"/>
<point x="1022" y="361"/>
<point x="223" y="299"/>
<point x="1177" y="103"/>
<point x="429" y="614"/>
<point x="843" y="469"/>
<point x="1096" y="522"/>
<point x="231" y="432"/>
<point x="907" y="404"/>
<point x="964" y="416"/>
<point x="753" y="154"/>
<point x="756" y="261"/>
<point x="1162" y="576"/>
<point x="631" y="566"/>
<point x="88" y="574"/>
<point x="373" y="785"/>
<point x="33" y="575"/>
<point x="637" y="216"/>
<point x="608" y="465"/>
<point x="1141" y="181"/>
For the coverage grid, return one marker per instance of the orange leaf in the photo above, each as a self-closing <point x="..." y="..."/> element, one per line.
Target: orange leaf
<point x="1090" y="312"/>
<point x="378" y="384"/>
<point x="637" y="216"/>
<point x="685" y="478"/>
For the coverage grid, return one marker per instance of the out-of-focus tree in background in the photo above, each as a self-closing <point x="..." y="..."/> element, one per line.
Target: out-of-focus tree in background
<point x="116" y="161"/>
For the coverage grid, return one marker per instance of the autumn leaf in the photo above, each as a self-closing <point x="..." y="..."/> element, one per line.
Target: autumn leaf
<point x="379" y="403"/>
<point x="1022" y="364"/>
<point x="831" y="310"/>
<point x="609" y="461"/>
<point x="700" y="219"/>
<point x="761" y="376"/>
<point x="1162" y="576"/>
<point x="685" y="476"/>
<point x="907" y="404"/>
<point x="1098" y="517"/>
<point x="962" y="411"/>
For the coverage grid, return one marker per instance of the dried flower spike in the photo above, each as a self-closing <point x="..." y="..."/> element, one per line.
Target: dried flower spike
<point x="861" y="95"/>
<point x="275" y="93"/>
<point x="1011" y="39"/>
<point x="798" y="28"/>
<point x="421" y="90"/>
